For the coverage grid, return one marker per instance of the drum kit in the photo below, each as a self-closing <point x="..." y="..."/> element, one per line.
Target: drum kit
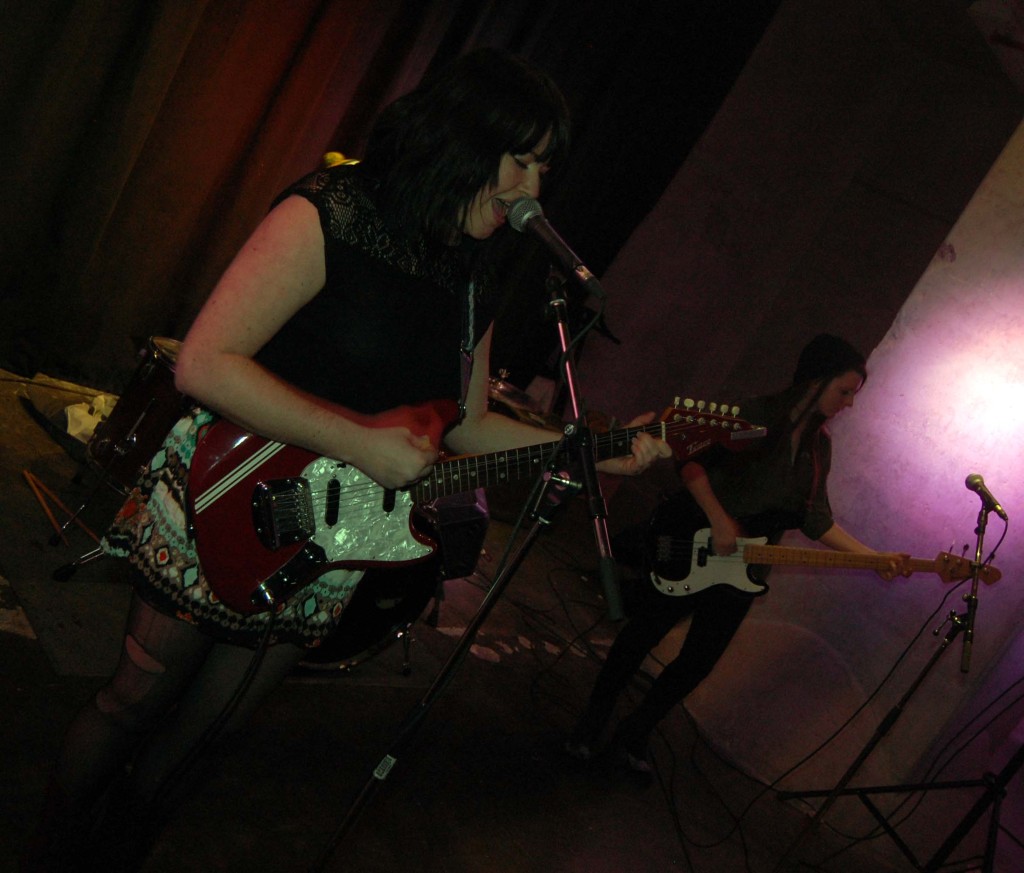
<point x="385" y="604"/>
<point x="506" y="398"/>
<point x="122" y="445"/>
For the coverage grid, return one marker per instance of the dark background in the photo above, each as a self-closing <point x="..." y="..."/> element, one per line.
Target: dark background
<point x="146" y="139"/>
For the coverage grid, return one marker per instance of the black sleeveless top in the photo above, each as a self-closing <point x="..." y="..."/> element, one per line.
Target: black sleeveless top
<point x="386" y="329"/>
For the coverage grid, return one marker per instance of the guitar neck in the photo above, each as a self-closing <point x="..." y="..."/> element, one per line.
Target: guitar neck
<point x="481" y="471"/>
<point x="758" y="554"/>
<point x="687" y="431"/>
<point x="949" y="568"/>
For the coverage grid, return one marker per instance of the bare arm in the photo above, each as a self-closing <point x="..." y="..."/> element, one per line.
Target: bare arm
<point x="279" y="269"/>
<point x="725" y="529"/>
<point x="839" y="539"/>
<point x="483" y="430"/>
<point x="487" y="431"/>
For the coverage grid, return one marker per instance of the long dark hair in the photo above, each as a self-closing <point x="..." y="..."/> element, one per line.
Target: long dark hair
<point x="432" y="150"/>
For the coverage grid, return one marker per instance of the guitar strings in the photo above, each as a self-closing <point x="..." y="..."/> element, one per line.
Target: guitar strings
<point x="680" y="549"/>
<point x="670" y="549"/>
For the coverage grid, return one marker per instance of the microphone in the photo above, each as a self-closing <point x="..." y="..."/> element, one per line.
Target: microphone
<point x="975" y="483"/>
<point x="525" y="214"/>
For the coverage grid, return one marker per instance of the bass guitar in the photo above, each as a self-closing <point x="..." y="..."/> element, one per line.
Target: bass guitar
<point x="683" y="560"/>
<point x="268" y="517"/>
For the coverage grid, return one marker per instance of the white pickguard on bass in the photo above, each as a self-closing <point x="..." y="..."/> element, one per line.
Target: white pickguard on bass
<point x="705" y="568"/>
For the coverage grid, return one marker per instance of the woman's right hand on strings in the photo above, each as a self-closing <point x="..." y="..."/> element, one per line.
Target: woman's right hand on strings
<point x="724" y="528"/>
<point x="393" y="456"/>
<point x="724" y="532"/>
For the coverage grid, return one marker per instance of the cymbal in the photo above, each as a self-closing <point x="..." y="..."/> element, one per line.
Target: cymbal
<point x="546" y="420"/>
<point x="509" y="395"/>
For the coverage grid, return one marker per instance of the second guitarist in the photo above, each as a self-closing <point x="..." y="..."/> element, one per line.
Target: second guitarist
<point x="778" y="485"/>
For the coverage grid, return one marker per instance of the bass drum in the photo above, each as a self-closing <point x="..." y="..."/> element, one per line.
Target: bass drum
<point x="385" y="605"/>
<point x="122" y="445"/>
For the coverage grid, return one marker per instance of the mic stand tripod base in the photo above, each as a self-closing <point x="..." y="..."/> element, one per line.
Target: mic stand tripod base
<point x="958" y="623"/>
<point x="831" y="795"/>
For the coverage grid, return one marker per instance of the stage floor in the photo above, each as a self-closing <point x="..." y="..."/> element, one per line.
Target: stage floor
<point x="484" y="786"/>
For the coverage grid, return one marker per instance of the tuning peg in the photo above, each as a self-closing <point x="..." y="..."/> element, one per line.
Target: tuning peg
<point x="735" y="411"/>
<point x="713" y="407"/>
<point x="700" y="405"/>
<point x="675" y="401"/>
<point x="688" y="403"/>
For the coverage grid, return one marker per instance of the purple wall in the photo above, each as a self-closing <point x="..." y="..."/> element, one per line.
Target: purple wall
<point x="830" y="194"/>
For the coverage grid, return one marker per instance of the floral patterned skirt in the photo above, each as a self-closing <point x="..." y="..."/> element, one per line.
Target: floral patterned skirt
<point x="151" y="532"/>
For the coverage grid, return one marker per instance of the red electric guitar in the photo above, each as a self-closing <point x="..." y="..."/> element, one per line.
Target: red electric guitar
<point x="268" y="518"/>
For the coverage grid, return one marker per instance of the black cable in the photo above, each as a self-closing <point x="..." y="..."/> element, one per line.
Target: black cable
<point x="580" y="636"/>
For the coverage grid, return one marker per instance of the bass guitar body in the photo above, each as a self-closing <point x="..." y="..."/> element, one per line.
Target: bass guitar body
<point x="682" y="559"/>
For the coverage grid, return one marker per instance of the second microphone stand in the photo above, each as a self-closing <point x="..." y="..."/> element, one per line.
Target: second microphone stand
<point x="994" y="785"/>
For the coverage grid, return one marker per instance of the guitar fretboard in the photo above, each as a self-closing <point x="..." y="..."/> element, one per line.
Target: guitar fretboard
<point x="688" y="433"/>
<point x="756" y="554"/>
<point x="950" y="568"/>
<point x="481" y="471"/>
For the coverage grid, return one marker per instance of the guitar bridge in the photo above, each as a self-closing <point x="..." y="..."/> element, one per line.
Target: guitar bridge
<point x="272" y="593"/>
<point x="282" y="512"/>
<point x="663" y="549"/>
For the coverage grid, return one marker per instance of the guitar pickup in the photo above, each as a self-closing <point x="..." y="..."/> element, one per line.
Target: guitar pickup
<point x="282" y="512"/>
<point x="702" y="554"/>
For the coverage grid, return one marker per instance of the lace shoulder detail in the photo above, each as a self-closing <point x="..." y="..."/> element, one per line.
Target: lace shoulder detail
<point x="348" y="215"/>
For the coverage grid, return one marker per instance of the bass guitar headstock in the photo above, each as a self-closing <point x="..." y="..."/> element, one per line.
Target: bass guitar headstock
<point x="953" y="568"/>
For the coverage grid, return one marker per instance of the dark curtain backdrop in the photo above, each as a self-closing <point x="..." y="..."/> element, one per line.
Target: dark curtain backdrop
<point x="144" y="140"/>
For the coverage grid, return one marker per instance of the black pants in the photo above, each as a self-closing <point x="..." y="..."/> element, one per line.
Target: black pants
<point x="717" y="613"/>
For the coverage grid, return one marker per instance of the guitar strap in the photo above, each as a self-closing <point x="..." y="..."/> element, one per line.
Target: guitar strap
<point x="467" y="345"/>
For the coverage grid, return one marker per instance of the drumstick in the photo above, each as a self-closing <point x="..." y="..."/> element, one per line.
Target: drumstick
<point x="73" y="516"/>
<point x="42" y="502"/>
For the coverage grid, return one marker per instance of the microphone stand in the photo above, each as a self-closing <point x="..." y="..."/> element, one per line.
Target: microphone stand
<point x="608" y="570"/>
<point x="994" y="786"/>
<point x="550" y="491"/>
<point x="972" y="599"/>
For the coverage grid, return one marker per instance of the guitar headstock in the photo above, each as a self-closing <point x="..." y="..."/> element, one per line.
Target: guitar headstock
<point x="695" y="425"/>
<point x="953" y="568"/>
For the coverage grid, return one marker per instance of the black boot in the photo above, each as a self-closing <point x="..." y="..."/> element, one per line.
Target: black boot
<point x="631" y="747"/>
